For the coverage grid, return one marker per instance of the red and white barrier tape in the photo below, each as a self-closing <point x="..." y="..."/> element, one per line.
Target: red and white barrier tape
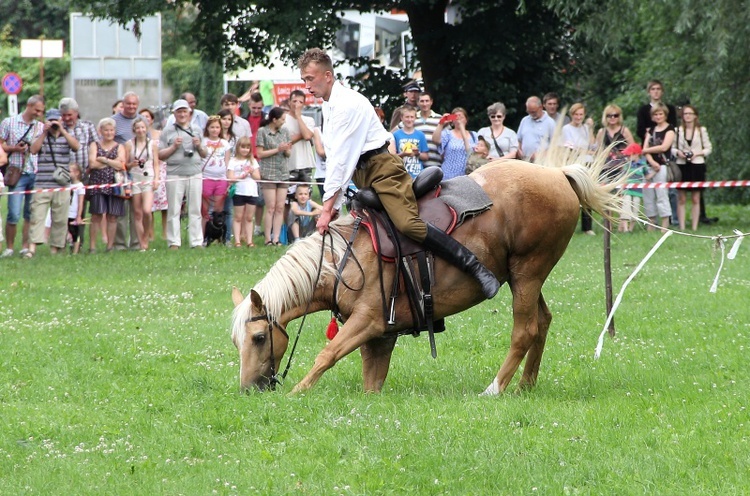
<point x="128" y="183"/>
<point x="697" y="184"/>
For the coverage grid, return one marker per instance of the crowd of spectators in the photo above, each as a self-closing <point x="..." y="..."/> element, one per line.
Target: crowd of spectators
<point x="256" y="169"/>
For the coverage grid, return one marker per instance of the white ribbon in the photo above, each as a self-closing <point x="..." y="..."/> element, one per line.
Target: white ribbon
<point x="600" y="344"/>
<point x="715" y="284"/>
<point x="736" y="245"/>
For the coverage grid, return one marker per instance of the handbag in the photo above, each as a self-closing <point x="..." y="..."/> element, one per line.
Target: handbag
<point x="13" y="174"/>
<point x="232" y="190"/>
<point x="61" y="175"/>
<point x="674" y="174"/>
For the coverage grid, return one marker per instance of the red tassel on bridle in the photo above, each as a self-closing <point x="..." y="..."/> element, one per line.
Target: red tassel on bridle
<point x="332" y="329"/>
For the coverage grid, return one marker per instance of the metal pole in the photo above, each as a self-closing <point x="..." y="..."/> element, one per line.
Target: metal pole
<point x="41" y="73"/>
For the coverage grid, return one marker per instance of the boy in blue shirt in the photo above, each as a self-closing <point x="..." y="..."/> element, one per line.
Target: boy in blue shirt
<point x="408" y="143"/>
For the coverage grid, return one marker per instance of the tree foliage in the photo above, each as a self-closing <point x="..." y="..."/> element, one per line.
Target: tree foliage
<point x="699" y="50"/>
<point x="31" y="19"/>
<point x="494" y="50"/>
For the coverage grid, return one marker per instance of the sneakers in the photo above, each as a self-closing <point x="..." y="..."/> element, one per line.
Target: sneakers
<point x="8" y="252"/>
<point x="257" y="231"/>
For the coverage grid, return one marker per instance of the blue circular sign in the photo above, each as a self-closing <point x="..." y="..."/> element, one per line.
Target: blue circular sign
<point x="12" y="83"/>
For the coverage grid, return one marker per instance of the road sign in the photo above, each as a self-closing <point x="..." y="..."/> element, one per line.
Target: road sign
<point x="12" y="83"/>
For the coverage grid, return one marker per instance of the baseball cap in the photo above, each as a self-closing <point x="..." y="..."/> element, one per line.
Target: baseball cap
<point x="632" y="149"/>
<point x="180" y="104"/>
<point x="413" y="86"/>
<point x="53" y="115"/>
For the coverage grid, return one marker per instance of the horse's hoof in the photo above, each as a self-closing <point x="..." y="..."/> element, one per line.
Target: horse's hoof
<point x="492" y="390"/>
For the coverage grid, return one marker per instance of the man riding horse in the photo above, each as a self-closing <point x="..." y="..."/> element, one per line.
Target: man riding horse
<point x="356" y="146"/>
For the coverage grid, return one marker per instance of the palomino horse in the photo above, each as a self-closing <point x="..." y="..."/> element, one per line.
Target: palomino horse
<point x="520" y="239"/>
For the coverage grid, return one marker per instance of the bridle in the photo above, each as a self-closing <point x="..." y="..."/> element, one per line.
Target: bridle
<point x="271" y="321"/>
<point x="273" y="380"/>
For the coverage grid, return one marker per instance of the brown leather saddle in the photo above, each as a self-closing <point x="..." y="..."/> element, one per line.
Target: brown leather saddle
<point x="390" y="243"/>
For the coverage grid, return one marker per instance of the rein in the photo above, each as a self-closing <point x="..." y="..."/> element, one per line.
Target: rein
<point x="276" y="378"/>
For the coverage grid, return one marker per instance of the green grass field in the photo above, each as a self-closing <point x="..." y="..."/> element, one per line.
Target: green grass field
<point x="118" y="376"/>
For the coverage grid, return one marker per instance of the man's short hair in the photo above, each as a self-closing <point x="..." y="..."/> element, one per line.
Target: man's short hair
<point x="652" y="83"/>
<point x="256" y="97"/>
<point x="297" y="93"/>
<point x="129" y="94"/>
<point x="426" y="93"/>
<point x="68" y="104"/>
<point x="229" y="98"/>
<point x="318" y="56"/>
<point x="551" y="96"/>
<point x="33" y="100"/>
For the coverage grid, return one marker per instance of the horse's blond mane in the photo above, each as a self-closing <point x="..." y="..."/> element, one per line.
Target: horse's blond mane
<point x="290" y="281"/>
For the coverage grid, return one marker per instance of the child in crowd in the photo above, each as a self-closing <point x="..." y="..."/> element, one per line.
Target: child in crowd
<point x="639" y="172"/>
<point x="409" y="143"/>
<point x="479" y="156"/>
<point x="302" y="213"/>
<point x="243" y="170"/>
<point x="75" y="211"/>
<point x="215" y="182"/>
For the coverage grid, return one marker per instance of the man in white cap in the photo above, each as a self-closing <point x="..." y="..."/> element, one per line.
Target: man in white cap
<point x="180" y="147"/>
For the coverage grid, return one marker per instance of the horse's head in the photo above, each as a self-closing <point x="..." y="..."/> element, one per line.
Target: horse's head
<point x="260" y="340"/>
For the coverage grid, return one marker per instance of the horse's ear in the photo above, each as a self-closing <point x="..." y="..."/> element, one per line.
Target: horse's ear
<point x="255" y="299"/>
<point x="236" y="296"/>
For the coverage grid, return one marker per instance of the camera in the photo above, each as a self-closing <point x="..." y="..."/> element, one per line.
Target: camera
<point x="188" y="153"/>
<point x="54" y="126"/>
<point x="688" y="156"/>
<point x="141" y="163"/>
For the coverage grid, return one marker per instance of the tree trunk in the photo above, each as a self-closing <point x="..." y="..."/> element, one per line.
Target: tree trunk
<point x="428" y="29"/>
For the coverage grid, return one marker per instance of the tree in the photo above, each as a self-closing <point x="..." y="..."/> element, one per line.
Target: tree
<point x="494" y="50"/>
<point x="25" y="19"/>
<point x="703" y="59"/>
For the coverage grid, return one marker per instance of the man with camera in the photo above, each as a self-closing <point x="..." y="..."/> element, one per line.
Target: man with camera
<point x="54" y="146"/>
<point x="16" y="135"/>
<point x="180" y="146"/>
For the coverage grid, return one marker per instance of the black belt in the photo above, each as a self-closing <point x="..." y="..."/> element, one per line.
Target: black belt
<point x="365" y="157"/>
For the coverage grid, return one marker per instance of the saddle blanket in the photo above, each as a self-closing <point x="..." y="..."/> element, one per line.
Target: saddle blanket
<point x="465" y="196"/>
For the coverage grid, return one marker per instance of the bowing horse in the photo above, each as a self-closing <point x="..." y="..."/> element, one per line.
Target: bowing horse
<point x="520" y="238"/>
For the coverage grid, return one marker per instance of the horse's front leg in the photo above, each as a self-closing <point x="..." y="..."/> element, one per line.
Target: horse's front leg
<point x="358" y="330"/>
<point x="376" y="359"/>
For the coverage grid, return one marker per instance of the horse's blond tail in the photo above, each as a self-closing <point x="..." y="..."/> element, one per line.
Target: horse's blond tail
<point x="604" y="199"/>
<point x="596" y="187"/>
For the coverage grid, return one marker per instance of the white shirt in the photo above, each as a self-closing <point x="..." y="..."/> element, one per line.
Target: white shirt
<point x="247" y="186"/>
<point x="351" y="127"/>
<point x="77" y="192"/>
<point x="302" y="155"/>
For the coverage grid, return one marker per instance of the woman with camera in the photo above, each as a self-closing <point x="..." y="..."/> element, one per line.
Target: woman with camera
<point x="144" y="170"/>
<point x="455" y="142"/>
<point x="691" y="148"/>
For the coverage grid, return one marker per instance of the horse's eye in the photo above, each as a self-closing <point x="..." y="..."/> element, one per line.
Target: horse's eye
<point x="259" y="338"/>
